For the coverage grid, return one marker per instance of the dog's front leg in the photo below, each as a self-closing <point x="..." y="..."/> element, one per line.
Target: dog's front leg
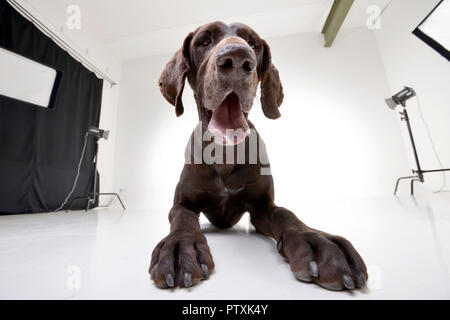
<point x="329" y="260"/>
<point x="182" y="258"/>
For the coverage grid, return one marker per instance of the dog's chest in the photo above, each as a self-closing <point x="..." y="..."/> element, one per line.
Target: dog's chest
<point x="223" y="195"/>
<point x="227" y="207"/>
<point x="224" y="171"/>
<point x="226" y="192"/>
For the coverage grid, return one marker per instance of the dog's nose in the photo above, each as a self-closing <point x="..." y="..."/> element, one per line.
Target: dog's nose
<point x="236" y="57"/>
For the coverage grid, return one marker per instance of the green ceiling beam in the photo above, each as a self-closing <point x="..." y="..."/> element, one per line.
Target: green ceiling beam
<point x="335" y="18"/>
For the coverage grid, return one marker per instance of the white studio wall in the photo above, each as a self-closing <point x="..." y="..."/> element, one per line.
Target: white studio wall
<point x="409" y="61"/>
<point x="335" y="135"/>
<point x="56" y="16"/>
<point x="106" y="155"/>
<point x="151" y="139"/>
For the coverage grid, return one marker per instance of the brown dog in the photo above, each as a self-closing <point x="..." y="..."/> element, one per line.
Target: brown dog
<point x="224" y="64"/>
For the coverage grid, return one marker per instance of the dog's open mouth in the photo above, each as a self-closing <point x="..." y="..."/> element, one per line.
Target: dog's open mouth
<point x="228" y="121"/>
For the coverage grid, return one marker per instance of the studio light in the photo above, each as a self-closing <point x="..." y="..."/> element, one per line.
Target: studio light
<point x="94" y="195"/>
<point x="98" y="133"/>
<point x="400" y="98"/>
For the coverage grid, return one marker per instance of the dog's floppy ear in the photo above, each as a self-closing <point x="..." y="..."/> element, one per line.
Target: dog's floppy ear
<point x="271" y="88"/>
<point x="171" y="81"/>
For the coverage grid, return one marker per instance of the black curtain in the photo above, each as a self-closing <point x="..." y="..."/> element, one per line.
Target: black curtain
<point x="40" y="147"/>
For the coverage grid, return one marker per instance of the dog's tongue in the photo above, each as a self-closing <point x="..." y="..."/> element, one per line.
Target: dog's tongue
<point x="228" y="121"/>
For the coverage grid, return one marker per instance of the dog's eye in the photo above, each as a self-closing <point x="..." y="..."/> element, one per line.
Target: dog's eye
<point x="252" y="44"/>
<point x="206" y="41"/>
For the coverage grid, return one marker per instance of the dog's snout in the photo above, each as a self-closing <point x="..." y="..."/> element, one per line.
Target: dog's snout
<point x="236" y="57"/>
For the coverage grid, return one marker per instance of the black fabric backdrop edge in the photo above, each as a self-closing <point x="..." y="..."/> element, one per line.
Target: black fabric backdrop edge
<point x="40" y="148"/>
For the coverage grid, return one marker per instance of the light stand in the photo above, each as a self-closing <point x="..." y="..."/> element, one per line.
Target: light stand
<point x="94" y="195"/>
<point x="418" y="174"/>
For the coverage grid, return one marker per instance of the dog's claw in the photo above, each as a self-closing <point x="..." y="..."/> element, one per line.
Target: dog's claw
<point x="361" y="281"/>
<point x="348" y="282"/>
<point x="313" y="269"/>
<point x="302" y="276"/>
<point x="205" y="271"/>
<point x="280" y="245"/>
<point x="153" y="271"/>
<point x="187" y="279"/>
<point x="169" y="280"/>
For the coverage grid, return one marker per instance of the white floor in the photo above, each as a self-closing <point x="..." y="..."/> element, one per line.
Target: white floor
<point x="104" y="254"/>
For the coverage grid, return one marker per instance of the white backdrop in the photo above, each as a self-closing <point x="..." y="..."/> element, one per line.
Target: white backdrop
<point x="342" y="139"/>
<point x="410" y="61"/>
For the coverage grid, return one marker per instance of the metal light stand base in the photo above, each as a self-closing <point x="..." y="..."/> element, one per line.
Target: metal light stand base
<point x="412" y="178"/>
<point x="93" y="196"/>
<point x="418" y="174"/>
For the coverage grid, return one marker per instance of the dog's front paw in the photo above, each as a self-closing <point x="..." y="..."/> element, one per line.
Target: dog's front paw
<point x="330" y="261"/>
<point x="181" y="259"/>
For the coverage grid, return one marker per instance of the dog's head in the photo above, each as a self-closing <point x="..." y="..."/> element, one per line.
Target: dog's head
<point x="224" y="64"/>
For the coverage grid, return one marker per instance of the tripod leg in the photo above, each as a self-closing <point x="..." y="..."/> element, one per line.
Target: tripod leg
<point x="114" y="194"/>
<point x="70" y="205"/>
<point x="88" y="204"/>
<point x="398" y="181"/>
<point x="73" y="201"/>
<point x="118" y="197"/>
<point x="396" y="186"/>
<point x="412" y="185"/>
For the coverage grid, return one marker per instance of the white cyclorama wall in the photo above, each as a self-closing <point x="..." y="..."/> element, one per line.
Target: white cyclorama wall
<point x="106" y="151"/>
<point x="410" y="61"/>
<point x="335" y="137"/>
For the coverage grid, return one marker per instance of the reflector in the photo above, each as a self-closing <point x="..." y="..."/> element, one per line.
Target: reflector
<point x="25" y="80"/>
